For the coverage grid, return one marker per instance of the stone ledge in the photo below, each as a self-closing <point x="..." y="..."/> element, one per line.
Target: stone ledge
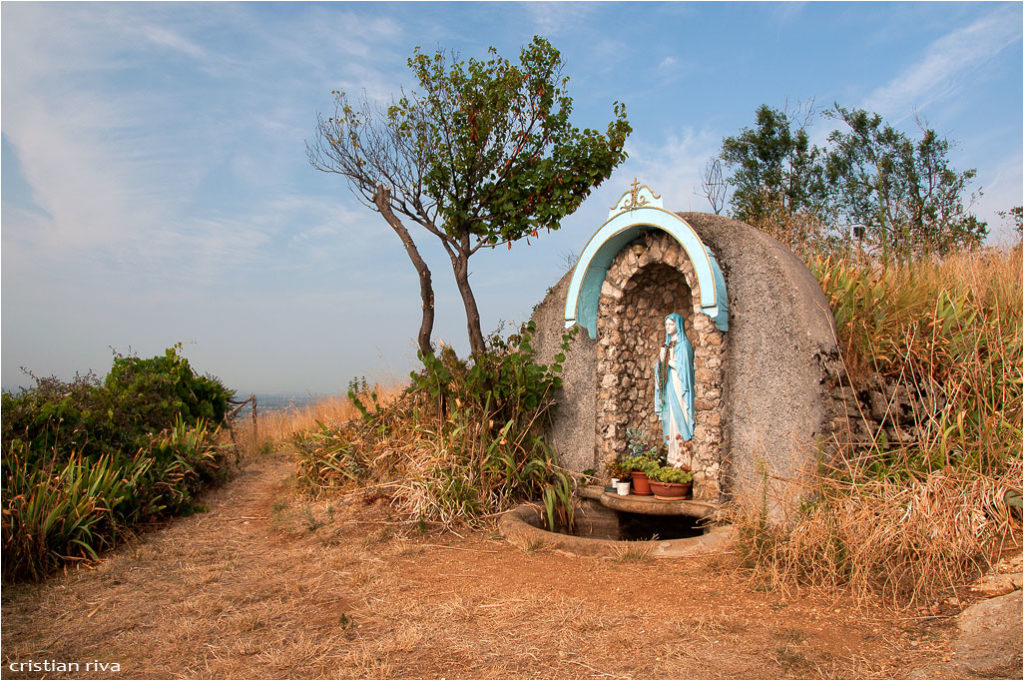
<point x="648" y="505"/>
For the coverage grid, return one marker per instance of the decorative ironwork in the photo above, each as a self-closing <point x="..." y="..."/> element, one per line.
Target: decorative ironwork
<point x="636" y="197"/>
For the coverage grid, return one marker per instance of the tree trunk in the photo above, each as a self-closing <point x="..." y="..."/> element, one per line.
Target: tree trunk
<point x="460" y="265"/>
<point x="382" y="199"/>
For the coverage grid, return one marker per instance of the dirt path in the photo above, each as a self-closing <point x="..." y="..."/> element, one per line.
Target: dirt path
<point x="268" y="585"/>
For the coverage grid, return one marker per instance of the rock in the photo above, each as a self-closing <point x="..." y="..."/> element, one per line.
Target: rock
<point x="878" y="405"/>
<point x="994" y="585"/>
<point x="989" y="643"/>
<point x="1011" y="564"/>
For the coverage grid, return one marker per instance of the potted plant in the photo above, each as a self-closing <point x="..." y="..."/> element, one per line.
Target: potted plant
<point x="641" y="457"/>
<point x="671" y="484"/>
<point x="637" y="443"/>
<point x="619" y="474"/>
<point x="622" y="487"/>
<point x="640" y="468"/>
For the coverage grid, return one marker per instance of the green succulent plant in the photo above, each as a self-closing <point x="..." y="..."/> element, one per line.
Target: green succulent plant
<point x="670" y="474"/>
<point x="638" y="444"/>
<point x="639" y="463"/>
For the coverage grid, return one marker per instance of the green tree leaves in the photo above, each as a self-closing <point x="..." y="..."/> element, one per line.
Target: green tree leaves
<point x="903" y="193"/>
<point x="899" y="195"/>
<point x="773" y="164"/>
<point x="482" y="153"/>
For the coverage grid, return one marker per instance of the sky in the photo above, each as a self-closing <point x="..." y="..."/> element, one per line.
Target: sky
<point x="156" y="189"/>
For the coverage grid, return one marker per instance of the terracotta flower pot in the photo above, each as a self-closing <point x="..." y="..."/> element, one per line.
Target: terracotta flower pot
<point x="641" y="484"/>
<point x="671" y="491"/>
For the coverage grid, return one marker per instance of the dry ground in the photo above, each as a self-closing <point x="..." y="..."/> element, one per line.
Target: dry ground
<point x="267" y="584"/>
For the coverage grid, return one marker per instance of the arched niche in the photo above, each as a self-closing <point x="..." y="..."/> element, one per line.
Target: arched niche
<point x="649" y="278"/>
<point x="637" y="213"/>
<point x="642" y="264"/>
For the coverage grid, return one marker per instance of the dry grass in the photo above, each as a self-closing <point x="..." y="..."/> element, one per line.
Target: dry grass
<point x="275" y="428"/>
<point x="633" y="552"/>
<point x="912" y="542"/>
<point x="234" y="594"/>
<point x="917" y="516"/>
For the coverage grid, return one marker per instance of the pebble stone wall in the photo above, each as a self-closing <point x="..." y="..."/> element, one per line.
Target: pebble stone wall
<point x="649" y="279"/>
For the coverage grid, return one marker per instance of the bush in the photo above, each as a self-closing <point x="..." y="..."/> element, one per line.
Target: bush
<point x="139" y="397"/>
<point x="152" y="393"/>
<point x="85" y="461"/>
<point x="465" y="442"/>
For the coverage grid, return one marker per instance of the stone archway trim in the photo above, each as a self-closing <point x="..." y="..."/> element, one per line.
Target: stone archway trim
<point x="611" y="237"/>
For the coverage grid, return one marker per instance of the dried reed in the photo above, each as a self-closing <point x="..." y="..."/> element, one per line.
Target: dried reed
<point x="280" y="426"/>
<point x="914" y="518"/>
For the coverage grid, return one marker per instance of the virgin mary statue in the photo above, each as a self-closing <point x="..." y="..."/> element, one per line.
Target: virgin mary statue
<point x="673" y="390"/>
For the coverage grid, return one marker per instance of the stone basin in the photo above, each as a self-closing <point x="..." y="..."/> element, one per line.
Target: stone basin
<point x="598" y="518"/>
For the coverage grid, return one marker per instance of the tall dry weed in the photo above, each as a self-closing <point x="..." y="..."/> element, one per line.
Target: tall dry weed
<point x="276" y="427"/>
<point x="924" y="513"/>
<point x="910" y="541"/>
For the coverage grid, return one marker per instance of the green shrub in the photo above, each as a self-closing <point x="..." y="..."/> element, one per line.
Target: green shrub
<point x="152" y="393"/>
<point x="138" y="397"/>
<point x="639" y="463"/>
<point x="466" y="441"/>
<point x="84" y="461"/>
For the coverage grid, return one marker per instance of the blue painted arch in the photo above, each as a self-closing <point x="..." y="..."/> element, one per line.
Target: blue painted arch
<point x="592" y="267"/>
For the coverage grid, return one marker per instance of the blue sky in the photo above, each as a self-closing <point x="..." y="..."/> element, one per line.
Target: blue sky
<point x="155" y="186"/>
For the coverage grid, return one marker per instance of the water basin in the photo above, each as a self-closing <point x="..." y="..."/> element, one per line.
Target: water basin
<point x="607" y="524"/>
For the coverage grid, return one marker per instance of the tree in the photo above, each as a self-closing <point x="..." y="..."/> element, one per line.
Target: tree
<point x="900" y="196"/>
<point x="482" y="155"/>
<point x="1015" y="218"/>
<point x="903" y="193"/>
<point x="774" y="165"/>
<point x="713" y="185"/>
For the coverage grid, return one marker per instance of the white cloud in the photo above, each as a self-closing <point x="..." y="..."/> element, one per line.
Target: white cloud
<point x="556" y="18"/>
<point x="786" y="12"/>
<point x="167" y="38"/>
<point x="80" y="146"/>
<point x="946" y="65"/>
<point x="672" y="168"/>
<point x="113" y="163"/>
